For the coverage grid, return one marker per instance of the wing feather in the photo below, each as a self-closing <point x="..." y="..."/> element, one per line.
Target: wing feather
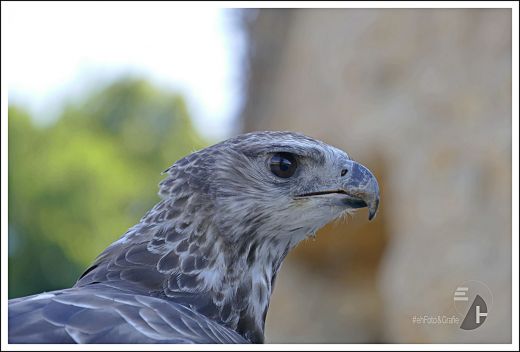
<point x="100" y="313"/>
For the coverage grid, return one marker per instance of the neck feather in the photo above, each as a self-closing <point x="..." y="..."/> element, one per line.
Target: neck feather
<point x="195" y="265"/>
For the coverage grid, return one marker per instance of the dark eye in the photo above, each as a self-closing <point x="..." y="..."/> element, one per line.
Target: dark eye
<point x="283" y="165"/>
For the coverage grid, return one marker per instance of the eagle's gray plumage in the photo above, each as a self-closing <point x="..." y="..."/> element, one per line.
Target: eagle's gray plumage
<point x="201" y="264"/>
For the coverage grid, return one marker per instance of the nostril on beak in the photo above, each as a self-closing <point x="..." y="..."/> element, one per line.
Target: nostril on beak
<point x="344" y="172"/>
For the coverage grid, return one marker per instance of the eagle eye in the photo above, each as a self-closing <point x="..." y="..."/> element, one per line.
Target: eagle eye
<point x="283" y="164"/>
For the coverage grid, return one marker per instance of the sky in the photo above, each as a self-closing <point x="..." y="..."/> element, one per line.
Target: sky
<point x="56" y="52"/>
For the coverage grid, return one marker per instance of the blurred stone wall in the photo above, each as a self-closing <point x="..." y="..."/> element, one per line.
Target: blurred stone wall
<point x="423" y="98"/>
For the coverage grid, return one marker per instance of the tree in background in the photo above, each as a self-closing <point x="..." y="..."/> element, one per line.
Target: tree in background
<point x="77" y="185"/>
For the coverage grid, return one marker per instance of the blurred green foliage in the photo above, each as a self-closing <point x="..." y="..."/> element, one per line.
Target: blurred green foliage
<point x="77" y="185"/>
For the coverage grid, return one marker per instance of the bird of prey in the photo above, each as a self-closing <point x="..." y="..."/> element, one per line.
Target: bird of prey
<point x="200" y="266"/>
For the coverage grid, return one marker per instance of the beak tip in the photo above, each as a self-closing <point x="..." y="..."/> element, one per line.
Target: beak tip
<point x="373" y="210"/>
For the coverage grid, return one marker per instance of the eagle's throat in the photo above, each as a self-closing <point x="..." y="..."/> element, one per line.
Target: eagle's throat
<point x="230" y="283"/>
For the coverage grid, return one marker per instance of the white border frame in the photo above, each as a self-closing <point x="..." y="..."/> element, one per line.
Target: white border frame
<point x="514" y="346"/>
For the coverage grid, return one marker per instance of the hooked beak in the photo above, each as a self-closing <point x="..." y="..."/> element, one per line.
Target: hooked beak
<point x="359" y="186"/>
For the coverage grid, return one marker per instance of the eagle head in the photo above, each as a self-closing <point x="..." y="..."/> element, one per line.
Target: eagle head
<point x="281" y="185"/>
